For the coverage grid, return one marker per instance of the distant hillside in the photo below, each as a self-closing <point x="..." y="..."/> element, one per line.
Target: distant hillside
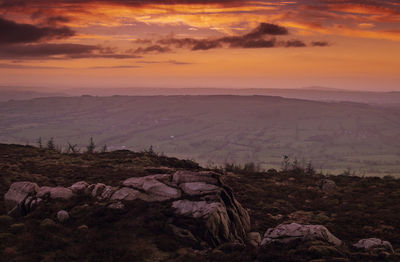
<point x="309" y="93"/>
<point x="15" y="94"/>
<point x="218" y="129"/>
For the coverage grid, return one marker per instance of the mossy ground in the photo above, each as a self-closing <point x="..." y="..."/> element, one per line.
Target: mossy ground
<point x="357" y="208"/>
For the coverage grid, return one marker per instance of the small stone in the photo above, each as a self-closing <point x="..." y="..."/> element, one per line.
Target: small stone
<point x="370" y="244"/>
<point x="47" y="224"/>
<point x="17" y="228"/>
<point x="117" y="206"/>
<point x="285" y="233"/>
<point x="62" y="216"/>
<point x="83" y="228"/>
<point x="327" y="185"/>
<point x="254" y="239"/>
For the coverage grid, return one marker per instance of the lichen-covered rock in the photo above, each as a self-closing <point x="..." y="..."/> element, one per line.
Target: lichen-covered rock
<point x="285" y="233"/>
<point x="16" y="196"/>
<point x="98" y="189"/>
<point x="222" y="220"/>
<point x="55" y="192"/>
<point x="198" y="188"/>
<point x="126" y="193"/>
<point x="138" y="182"/>
<point x="153" y="187"/>
<point x="62" y="216"/>
<point x="79" y="187"/>
<point x="374" y="244"/>
<point x="107" y="193"/>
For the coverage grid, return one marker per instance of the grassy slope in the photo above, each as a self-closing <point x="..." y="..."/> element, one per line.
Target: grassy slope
<point x="359" y="208"/>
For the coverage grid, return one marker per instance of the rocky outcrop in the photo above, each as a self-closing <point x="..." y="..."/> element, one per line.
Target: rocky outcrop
<point x="374" y="245"/>
<point x="212" y="205"/>
<point x="285" y="233"/>
<point x="19" y="199"/>
<point x="203" y="208"/>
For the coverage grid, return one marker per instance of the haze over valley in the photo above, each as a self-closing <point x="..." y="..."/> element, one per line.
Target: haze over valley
<point x="218" y="129"/>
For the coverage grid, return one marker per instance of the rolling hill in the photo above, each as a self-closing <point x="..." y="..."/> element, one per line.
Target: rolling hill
<point x="218" y="129"/>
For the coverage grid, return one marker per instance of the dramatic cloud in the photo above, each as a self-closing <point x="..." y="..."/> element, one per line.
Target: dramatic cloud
<point x="172" y="62"/>
<point x="55" y="20"/>
<point x="266" y="29"/>
<point x="319" y="43"/>
<point x="18" y="66"/>
<point x="12" y="32"/>
<point x="255" y="39"/>
<point x="58" y="51"/>
<point x="152" y="49"/>
<point x="115" y="67"/>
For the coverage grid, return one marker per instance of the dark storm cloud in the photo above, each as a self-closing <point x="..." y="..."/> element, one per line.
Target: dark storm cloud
<point x="12" y="32"/>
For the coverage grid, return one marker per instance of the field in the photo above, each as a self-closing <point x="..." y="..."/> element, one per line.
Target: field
<point x="214" y="130"/>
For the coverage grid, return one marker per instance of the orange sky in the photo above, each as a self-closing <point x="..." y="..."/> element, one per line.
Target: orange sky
<point x="274" y="44"/>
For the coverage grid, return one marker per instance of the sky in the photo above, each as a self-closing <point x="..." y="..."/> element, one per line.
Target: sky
<point x="192" y="43"/>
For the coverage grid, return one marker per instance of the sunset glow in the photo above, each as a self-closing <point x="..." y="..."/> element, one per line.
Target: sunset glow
<point x="263" y="44"/>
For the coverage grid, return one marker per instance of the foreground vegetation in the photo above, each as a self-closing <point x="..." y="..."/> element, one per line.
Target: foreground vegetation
<point x="357" y="208"/>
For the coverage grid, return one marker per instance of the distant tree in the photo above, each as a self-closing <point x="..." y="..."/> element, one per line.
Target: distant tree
<point x="249" y="167"/>
<point x="39" y="142"/>
<point x="295" y="164"/>
<point x="72" y="148"/>
<point x="285" y="163"/>
<point x="104" y="149"/>
<point x="51" y="145"/>
<point x="91" y="147"/>
<point x="151" y="151"/>
<point x="349" y="172"/>
<point x="310" y="169"/>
